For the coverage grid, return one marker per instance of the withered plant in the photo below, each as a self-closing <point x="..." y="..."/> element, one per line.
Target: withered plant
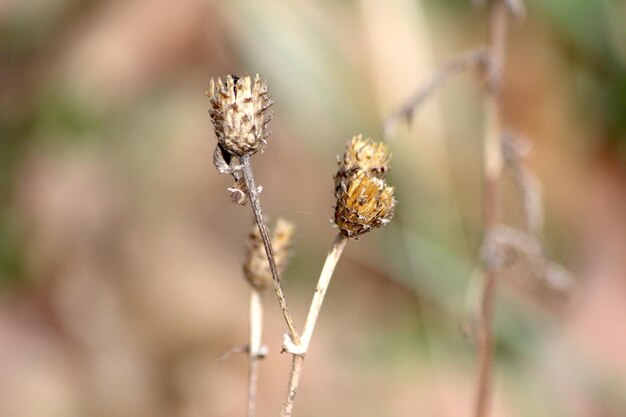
<point x="364" y="202"/>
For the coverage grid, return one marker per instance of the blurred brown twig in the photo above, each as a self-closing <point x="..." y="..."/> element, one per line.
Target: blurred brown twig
<point x="460" y="63"/>
<point x="493" y="161"/>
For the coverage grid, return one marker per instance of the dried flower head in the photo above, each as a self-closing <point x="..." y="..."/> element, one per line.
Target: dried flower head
<point x="364" y="200"/>
<point x="239" y="113"/>
<point x="367" y="203"/>
<point x="256" y="268"/>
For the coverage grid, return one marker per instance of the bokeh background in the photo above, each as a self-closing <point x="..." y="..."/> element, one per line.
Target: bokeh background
<point x="120" y="252"/>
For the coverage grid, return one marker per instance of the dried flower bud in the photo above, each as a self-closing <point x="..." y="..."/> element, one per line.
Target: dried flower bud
<point x="256" y="267"/>
<point x="367" y="202"/>
<point x="366" y="155"/>
<point x="364" y="201"/>
<point x="239" y="113"/>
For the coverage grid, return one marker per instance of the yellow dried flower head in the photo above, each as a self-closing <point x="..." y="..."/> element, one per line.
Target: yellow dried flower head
<point x="364" y="202"/>
<point x="365" y="155"/>
<point x="239" y="113"/>
<point x="256" y="268"/>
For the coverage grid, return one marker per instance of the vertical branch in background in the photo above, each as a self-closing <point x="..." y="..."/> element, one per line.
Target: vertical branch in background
<point x="492" y="169"/>
<point x="254" y="348"/>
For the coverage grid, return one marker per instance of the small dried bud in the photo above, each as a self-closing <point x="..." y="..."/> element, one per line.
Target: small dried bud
<point x="364" y="155"/>
<point x="239" y="113"/>
<point x="256" y="267"/>
<point x="364" y="200"/>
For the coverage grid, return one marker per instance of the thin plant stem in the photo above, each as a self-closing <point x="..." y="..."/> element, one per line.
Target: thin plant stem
<point x="254" y="348"/>
<point x="492" y="170"/>
<point x="294" y="380"/>
<point x="316" y="304"/>
<point x="322" y="286"/>
<point x="260" y="221"/>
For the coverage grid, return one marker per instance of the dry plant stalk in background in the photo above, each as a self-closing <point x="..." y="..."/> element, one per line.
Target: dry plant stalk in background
<point x="497" y="141"/>
<point x="364" y="201"/>
<point x="256" y="271"/>
<point x="492" y="160"/>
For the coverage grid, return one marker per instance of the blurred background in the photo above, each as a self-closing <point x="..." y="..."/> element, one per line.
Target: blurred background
<point x="120" y="252"/>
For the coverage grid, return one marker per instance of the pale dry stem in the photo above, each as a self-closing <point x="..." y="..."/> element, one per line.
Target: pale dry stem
<point x="292" y="388"/>
<point x="254" y="348"/>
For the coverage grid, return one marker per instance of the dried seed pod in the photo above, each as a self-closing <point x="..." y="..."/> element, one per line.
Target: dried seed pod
<point x="256" y="268"/>
<point x="239" y="113"/>
<point x="366" y="203"/>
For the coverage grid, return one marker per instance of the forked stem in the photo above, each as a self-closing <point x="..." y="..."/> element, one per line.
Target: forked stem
<point x="300" y="348"/>
<point x="253" y="195"/>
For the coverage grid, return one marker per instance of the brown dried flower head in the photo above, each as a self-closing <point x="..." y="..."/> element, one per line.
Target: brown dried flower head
<point x="364" y="200"/>
<point x="256" y="268"/>
<point x="239" y="113"/>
